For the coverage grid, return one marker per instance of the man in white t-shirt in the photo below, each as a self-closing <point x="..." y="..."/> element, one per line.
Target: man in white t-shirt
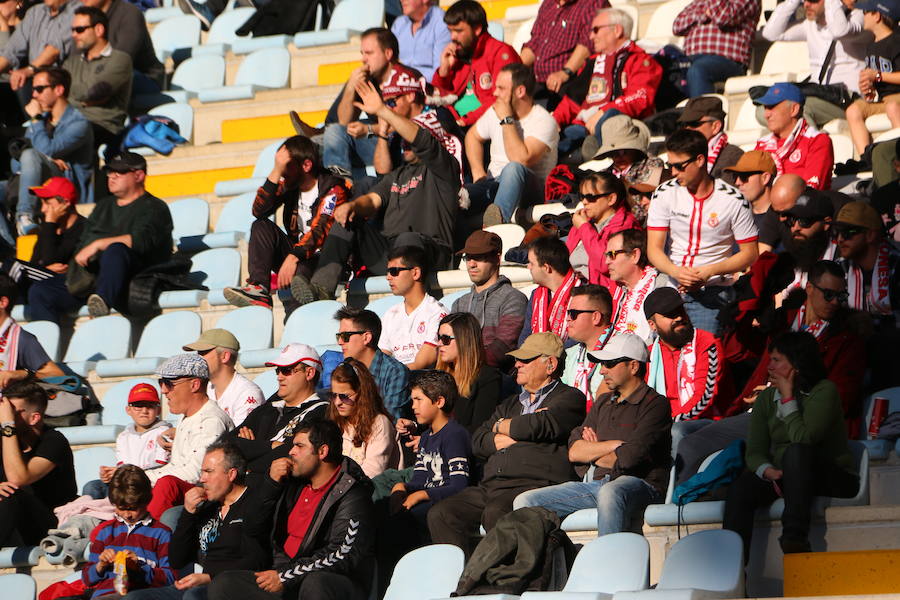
<point x="702" y="219"/>
<point x="523" y="137"/>
<point x="235" y="394"/>
<point x="410" y="328"/>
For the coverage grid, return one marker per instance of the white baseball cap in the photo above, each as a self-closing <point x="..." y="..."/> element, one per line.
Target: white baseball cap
<point x="297" y="353"/>
<point x="622" y="345"/>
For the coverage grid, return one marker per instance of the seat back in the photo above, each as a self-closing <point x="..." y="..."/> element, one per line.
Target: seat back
<point x="267" y="382"/>
<point x="312" y="324"/>
<point x="495" y="29"/>
<point x="88" y="462"/>
<point x="165" y="334"/>
<point x="199" y="73"/>
<point x="47" y="334"/>
<point x="18" y="586"/>
<point x="861" y="460"/>
<point x="265" y="160"/>
<point x="222" y="30"/>
<point x="103" y="338"/>
<point x="611" y="563"/>
<point x="268" y="67"/>
<point x="381" y="305"/>
<point x="217" y="268"/>
<point x="179" y="112"/>
<point x="190" y="216"/>
<point x="790" y="57"/>
<point x="893" y="398"/>
<point x="511" y="235"/>
<point x="710" y="560"/>
<point x="523" y="34"/>
<point x="746" y="117"/>
<point x="448" y="299"/>
<point x="357" y="15"/>
<point x="251" y="325"/>
<point x="443" y="564"/>
<point x="660" y="23"/>
<point x="236" y="215"/>
<point x="174" y="33"/>
<point x="116" y="399"/>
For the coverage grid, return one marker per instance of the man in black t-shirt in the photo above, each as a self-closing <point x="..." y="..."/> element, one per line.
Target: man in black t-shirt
<point x="38" y="470"/>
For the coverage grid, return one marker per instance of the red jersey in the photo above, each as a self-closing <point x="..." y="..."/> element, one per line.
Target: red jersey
<point x="810" y="155"/>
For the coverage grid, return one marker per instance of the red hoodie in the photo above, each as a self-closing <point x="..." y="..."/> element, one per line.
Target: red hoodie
<point x="595" y="243"/>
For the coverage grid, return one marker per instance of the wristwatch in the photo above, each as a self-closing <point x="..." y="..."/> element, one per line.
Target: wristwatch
<point x="510" y="120"/>
<point x="568" y="72"/>
<point x="8" y="428"/>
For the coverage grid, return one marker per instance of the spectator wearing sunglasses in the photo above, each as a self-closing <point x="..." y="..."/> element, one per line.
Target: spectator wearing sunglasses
<point x="705" y="114"/>
<point x="695" y="222"/>
<point x="548" y="264"/>
<point x="267" y="431"/>
<point x="604" y="212"/>
<point x="411" y="327"/>
<point x="590" y="310"/>
<point x="806" y="235"/>
<point x="498" y="306"/>
<point x="183" y="379"/>
<point x="754" y="174"/>
<point x="523" y="445"/>
<point x="355" y="405"/>
<point x="631" y="463"/>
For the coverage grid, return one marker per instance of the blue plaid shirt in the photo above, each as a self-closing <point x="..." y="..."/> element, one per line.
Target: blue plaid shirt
<point x="392" y="378"/>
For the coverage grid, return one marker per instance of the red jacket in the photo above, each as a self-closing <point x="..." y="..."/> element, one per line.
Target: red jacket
<point x="489" y="57"/>
<point x="633" y="93"/>
<point x="813" y="158"/>
<point x="595" y="243"/>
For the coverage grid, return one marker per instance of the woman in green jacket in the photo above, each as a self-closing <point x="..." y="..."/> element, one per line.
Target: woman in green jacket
<point x="796" y="447"/>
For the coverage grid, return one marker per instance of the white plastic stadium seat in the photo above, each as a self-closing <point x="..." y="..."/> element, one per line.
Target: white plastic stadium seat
<point x="196" y="74"/>
<point x="659" y="27"/>
<point x="251" y="325"/>
<point x="264" y="162"/>
<point x="349" y="17"/>
<point x="175" y="33"/>
<point x="784" y="61"/>
<point x="442" y="562"/>
<point x="47" y="334"/>
<point x="216" y="269"/>
<point x="190" y="217"/>
<point x="222" y="31"/>
<point x="268" y="68"/>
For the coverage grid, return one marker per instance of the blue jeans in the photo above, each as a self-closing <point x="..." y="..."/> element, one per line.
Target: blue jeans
<point x="35" y="169"/>
<point x="708" y="69"/>
<point x="96" y="489"/>
<point x="703" y="306"/>
<point x="617" y="501"/>
<point x="340" y="149"/>
<point x="169" y="592"/>
<point x="517" y="186"/>
<point x="571" y="138"/>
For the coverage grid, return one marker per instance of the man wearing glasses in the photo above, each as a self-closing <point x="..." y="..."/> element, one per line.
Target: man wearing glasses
<point x="702" y="219"/>
<point x="705" y="114"/>
<point x="630" y="463"/>
<point x="754" y="173"/>
<point x="589" y="318"/>
<point x="498" y="306"/>
<point x="183" y="379"/>
<point x="267" y="431"/>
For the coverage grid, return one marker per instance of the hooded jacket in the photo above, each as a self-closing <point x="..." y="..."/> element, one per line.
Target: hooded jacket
<point x="501" y="311"/>
<point x="595" y="241"/>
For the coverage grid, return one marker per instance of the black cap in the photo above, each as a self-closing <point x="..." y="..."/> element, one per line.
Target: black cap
<point x="812" y="205"/>
<point x="125" y="162"/>
<point x="662" y="301"/>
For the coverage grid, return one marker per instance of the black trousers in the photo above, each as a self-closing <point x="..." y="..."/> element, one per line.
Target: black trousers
<point x="806" y="475"/>
<point x="455" y="520"/>
<point x="398" y="531"/>
<point x="266" y="250"/>
<point x="25" y="514"/>
<point x="241" y="585"/>
<point x="694" y="448"/>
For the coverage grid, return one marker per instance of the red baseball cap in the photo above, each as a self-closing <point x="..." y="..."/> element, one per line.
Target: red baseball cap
<point x="57" y="187"/>
<point x="143" y="392"/>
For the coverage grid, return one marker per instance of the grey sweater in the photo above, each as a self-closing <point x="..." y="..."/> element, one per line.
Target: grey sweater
<point x="501" y="311"/>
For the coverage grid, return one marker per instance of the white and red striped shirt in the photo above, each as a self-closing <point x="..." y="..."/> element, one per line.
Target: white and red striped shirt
<point x="702" y="231"/>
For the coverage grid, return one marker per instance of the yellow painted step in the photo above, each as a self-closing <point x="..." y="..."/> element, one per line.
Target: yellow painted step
<point x="842" y="573"/>
<point x="264" y="128"/>
<point x="336" y="73"/>
<point x="495" y="9"/>
<point x="25" y="246"/>
<point x="194" y="182"/>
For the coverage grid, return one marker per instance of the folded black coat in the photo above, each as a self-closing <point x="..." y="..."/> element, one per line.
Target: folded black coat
<point x="286" y="17"/>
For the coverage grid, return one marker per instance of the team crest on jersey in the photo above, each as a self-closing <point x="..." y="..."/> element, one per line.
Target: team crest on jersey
<point x="597" y="90"/>
<point x="632" y="327"/>
<point x="713" y="220"/>
<point x="421" y="328"/>
<point x="796" y="155"/>
<point x="485" y="81"/>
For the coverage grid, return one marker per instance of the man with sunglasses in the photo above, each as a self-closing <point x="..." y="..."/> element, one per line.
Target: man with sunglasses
<point x="589" y="314"/>
<point x="625" y="437"/>
<point x="267" y="431"/>
<point x="523" y="444"/>
<point x="703" y="219"/>
<point x="705" y="114"/>
<point x="754" y="173"/>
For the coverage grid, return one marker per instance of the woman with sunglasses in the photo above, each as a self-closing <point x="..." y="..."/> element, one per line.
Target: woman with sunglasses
<point x="796" y="447"/>
<point x="356" y="407"/>
<point x="604" y="211"/>
<point x="461" y="353"/>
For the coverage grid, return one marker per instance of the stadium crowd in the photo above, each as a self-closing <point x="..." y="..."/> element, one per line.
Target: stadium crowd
<point x="693" y="295"/>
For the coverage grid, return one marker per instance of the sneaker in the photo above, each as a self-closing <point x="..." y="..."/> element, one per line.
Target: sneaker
<point x="198" y="10"/>
<point x="302" y="127"/>
<point x="97" y="306"/>
<point x="251" y="294"/>
<point x="25" y="224"/>
<point x="492" y="216"/>
<point x="305" y="292"/>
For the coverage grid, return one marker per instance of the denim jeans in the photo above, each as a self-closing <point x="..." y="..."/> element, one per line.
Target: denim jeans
<point x="703" y="306"/>
<point x="169" y="592"/>
<point x="571" y="137"/>
<point x="516" y="187"/>
<point x="617" y="501"/>
<point x="708" y="69"/>
<point x="35" y="169"/>
<point x="96" y="489"/>
<point x="340" y="149"/>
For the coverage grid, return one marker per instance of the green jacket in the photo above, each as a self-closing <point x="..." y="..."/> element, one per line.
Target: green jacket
<point x="815" y="419"/>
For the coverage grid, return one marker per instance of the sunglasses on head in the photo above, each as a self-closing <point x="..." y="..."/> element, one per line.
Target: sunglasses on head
<point x="345" y="398"/>
<point x="591" y="198"/>
<point x="612" y="254"/>
<point x="845" y="232"/>
<point x="391" y="103"/>
<point x="39" y="89"/>
<point x="804" y="222"/>
<point x="609" y="364"/>
<point x="680" y="166"/>
<point x="394" y="271"/>
<point x="445" y="339"/>
<point x="80" y="28"/>
<point x="832" y="295"/>
<point x="344" y="336"/>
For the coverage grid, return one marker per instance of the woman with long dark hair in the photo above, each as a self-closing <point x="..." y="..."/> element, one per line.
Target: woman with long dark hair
<point x="796" y="447"/>
<point x="356" y="407"/>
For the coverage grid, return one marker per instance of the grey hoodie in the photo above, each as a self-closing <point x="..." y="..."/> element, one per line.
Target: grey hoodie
<point x="501" y="311"/>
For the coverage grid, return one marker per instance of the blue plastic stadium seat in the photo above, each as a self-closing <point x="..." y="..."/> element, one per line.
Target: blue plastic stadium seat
<point x="442" y="562"/>
<point x="216" y="269"/>
<point x="222" y="31"/>
<point x="267" y="382"/>
<point x="381" y="305"/>
<point x="175" y="33"/>
<point x="264" y="163"/>
<point x="156" y="15"/>
<point x="252" y="44"/>
<point x="190" y="217"/>
<point x="194" y="75"/>
<point x="83" y="435"/>
<point x="269" y="68"/>
<point x="18" y="314"/>
<point x="115" y="400"/>
<point x="251" y="325"/>
<point x="311" y="324"/>
<point x="369" y="286"/>
<point x="495" y="28"/>
<point x="18" y="585"/>
<point x="163" y="337"/>
<point x="349" y="17"/>
<point x="449" y="299"/>
<point x="102" y="338"/>
<point x="47" y="334"/>
<point x="232" y="226"/>
<point x="88" y="462"/>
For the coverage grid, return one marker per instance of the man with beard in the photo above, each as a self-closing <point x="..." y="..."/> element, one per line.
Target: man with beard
<point x="805" y="235"/>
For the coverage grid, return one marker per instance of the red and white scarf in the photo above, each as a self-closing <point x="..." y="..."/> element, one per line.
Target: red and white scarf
<point x="584" y="367"/>
<point x="816" y="328"/>
<point x="428" y="119"/>
<point x="629" y="316"/>
<point x="716" y="143"/>
<point x="550" y="315"/>
<point x="779" y="155"/>
<point x="9" y="344"/>
<point x="684" y="371"/>
<point x="878" y="300"/>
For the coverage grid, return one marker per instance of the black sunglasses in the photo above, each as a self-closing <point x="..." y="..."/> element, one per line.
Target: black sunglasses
<point x="479" y="257"/>
<point x="80" y="28"/>
<point x="591" y="198"/>
<point x="574" y="312"/>
<point x="636" y="192"/>
<point x="597" y="28"/>
<point x="832" y="295"/>
<point x="745" y="177"/>
<point x="680" y="166"/>
<point x="40" y="88"/>
<point x="287" y="370"/>
<point x="691" y="124"/>
<point x="609" y="364"/>
<point x="845" y="232"/>
<point x="205" y="352"/>
<point x="344" y="336"/>
<point x="612" y="254"/>
<point x="804" y="222"/>
<point x="445" y="339"/>
<point x="526" y="361"/>
<point x="169" y="382"/>
<point x="394" y="271"/>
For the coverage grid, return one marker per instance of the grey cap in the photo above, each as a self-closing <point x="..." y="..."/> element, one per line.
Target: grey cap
<point x="184" y="365"/>
<point x="622" y="345"/>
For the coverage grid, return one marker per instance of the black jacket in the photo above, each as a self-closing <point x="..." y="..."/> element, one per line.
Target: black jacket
<point x="540" y="455"/>
<point x="341" y="537"/>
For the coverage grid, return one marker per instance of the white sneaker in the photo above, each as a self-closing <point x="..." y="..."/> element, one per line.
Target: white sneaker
<point x="25" y="224"/>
